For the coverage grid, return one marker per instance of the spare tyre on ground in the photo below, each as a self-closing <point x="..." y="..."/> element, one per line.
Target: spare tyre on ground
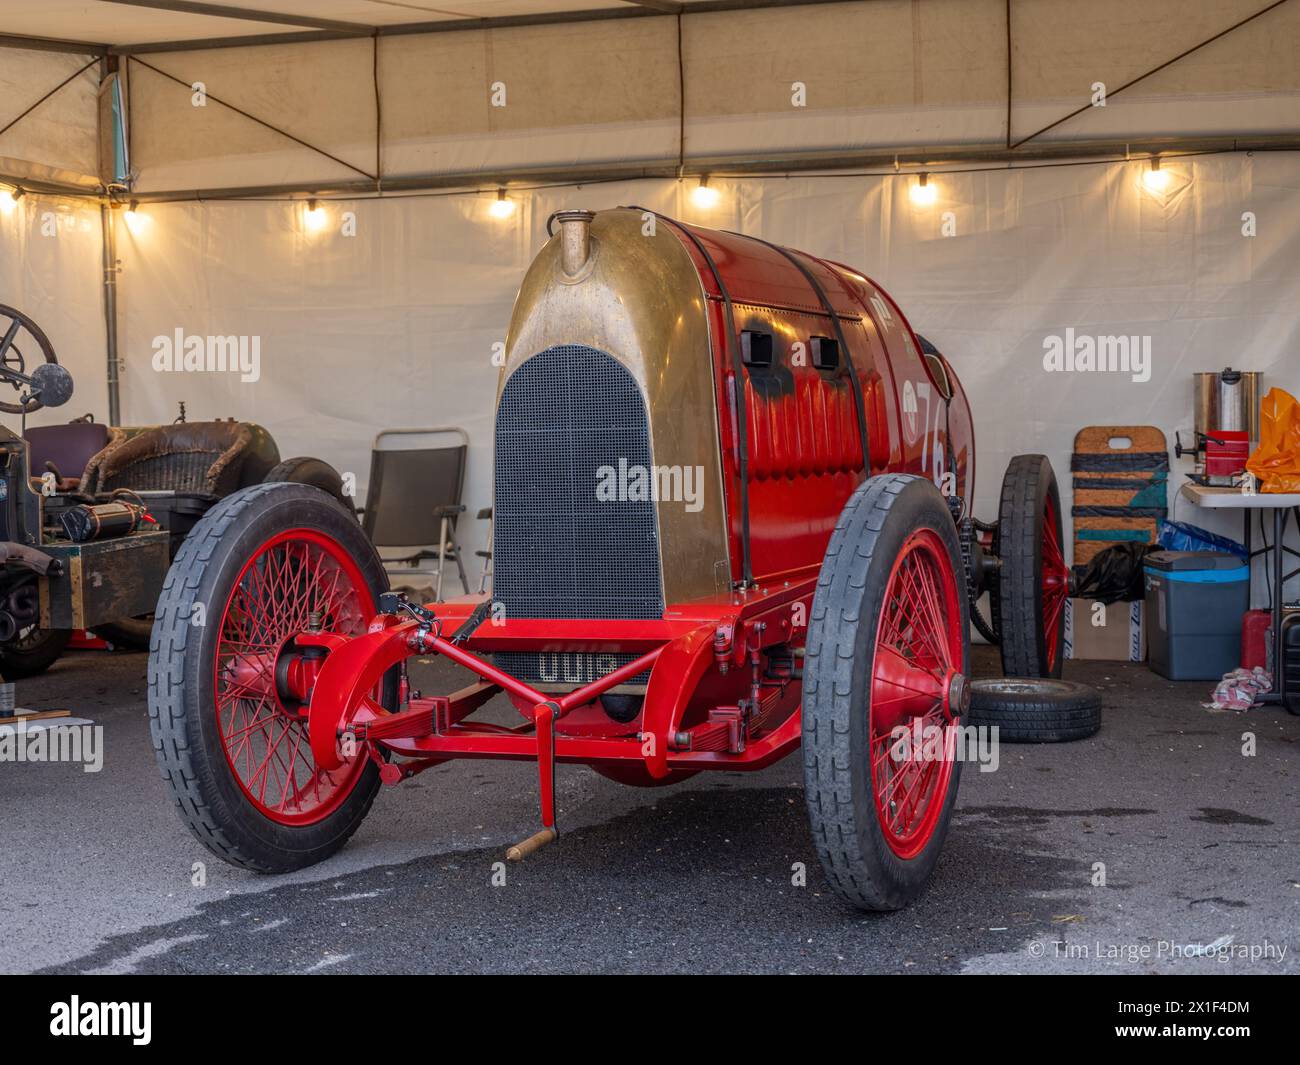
<point x="1034" y="710"/>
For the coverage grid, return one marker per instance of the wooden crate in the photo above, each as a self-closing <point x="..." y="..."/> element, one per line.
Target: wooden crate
<point x="103" y="580"/>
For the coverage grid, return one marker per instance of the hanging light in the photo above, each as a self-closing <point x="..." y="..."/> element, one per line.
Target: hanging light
<point x="1155" y="179"/>
<point x="703" y="196"/>
<point x="923" y="194"/>
<point x="315" y="216"/>
<point x="136" y="222"/>
<point x="503" y="206"/>
<point x="9" y="199"/>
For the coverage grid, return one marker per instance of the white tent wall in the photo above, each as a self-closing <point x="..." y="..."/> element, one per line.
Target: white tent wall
<point x="394" y="326"/>
<point x="50" y="264"/>
<point x="50" y="270"/>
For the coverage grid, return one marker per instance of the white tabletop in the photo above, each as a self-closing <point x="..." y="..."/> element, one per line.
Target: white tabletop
<point x="1235" y="498"/>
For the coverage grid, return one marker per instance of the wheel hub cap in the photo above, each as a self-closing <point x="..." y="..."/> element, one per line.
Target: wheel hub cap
<point x="956" y="700"/>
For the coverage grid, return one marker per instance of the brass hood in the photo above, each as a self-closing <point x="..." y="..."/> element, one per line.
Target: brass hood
<point x="621" y="282"/>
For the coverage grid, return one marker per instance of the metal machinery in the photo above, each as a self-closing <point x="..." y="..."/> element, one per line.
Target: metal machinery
<point x="732" y="513"/>
<point x="51" y="583"/>
<point x="91" y="550"/>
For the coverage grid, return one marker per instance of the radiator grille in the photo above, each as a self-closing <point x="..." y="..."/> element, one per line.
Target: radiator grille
<point x="558" y="550"/>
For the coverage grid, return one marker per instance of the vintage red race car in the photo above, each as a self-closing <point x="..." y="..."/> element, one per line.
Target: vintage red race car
<point x="732" y="516"/>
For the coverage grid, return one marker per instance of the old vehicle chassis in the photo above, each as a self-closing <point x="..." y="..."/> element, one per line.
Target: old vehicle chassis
<point x="813" y="588"/>
<point x="679" y="650"/>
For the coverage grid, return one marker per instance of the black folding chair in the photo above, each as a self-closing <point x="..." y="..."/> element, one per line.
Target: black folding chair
<point x="413" y="500"/>
<point x="486" y="555"/>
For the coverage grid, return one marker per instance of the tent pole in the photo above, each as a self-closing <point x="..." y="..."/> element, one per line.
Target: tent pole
<point x="109" y="228"/>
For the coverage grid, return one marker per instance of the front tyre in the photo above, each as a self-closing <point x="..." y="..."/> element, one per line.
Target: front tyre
<point x="233" y="748"/>
<point x="887" y="657"/>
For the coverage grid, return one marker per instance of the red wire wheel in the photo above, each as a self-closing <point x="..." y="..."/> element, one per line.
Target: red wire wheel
<point x="294" y="577"/>
<point x="228" y="682"/>
<point x="918" y="660"/>
<point x="885" y="682"/>
<point x="1056" y="587"/>
<point x="1033" y="579"/>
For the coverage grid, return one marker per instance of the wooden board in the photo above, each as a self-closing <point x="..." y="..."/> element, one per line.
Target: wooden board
<point x="1120" y="486"/>
<point x="33" y="715"/>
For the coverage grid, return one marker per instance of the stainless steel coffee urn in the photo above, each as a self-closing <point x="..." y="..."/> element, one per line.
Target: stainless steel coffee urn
<point x="1227" y="401"/>
<point x="1227" y="425"/>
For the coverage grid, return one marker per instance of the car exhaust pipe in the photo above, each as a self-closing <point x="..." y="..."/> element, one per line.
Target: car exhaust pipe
<point x="575" y="243"/>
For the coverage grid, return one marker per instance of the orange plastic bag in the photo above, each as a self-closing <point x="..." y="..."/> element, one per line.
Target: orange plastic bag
<point x="1276" y="462"/>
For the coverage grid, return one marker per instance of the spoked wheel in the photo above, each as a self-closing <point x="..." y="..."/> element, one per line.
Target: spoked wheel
<point x="229" y="683"/>
<point x="885" y="684"/>
<point x="1033" y="581"/>
<point x="23" y="347"/>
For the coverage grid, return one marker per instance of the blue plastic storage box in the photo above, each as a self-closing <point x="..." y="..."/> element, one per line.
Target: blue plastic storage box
<point x="1195" y="601"/>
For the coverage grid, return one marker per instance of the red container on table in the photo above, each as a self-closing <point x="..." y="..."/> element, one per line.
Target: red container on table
<point x="1226" y="452"/>
<point x="1254" y="638"/>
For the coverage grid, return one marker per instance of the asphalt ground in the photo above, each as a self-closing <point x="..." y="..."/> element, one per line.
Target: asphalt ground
<point x="1200" y="846"/>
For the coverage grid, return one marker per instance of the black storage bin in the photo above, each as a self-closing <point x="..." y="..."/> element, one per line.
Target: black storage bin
<point x="1194" y="605"/>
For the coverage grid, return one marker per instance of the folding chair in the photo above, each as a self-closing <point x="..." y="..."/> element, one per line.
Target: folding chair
<point x="413" y="500"/>
<point x="486" y="555"/>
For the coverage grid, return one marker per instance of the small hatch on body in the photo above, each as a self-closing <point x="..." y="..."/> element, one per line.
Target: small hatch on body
<point x="825" y="353"/>
<point x="755" y="348"/>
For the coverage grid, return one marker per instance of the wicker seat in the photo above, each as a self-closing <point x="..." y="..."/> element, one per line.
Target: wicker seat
<point x="213" y="458"/>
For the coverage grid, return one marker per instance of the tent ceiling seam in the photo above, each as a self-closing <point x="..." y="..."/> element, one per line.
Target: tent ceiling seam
<point x="877" y="164"/>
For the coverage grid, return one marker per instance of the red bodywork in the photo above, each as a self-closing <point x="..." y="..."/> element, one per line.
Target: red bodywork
<point x="724" y="690"/>
<point x="805" y="458"/>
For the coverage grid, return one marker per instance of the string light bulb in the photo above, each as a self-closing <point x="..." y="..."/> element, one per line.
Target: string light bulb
<point x="703" y="195"/>
<point x="1155" y="179"/>
<point x="136" y="222"/>
<point x="9" y="199"/>
<point x="923" y="194"/>
<point x="315" y="216"/>
<point x="503" y="206"/>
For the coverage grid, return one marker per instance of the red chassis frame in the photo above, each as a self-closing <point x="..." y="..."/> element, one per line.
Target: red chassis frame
<point x="681" y="649"/>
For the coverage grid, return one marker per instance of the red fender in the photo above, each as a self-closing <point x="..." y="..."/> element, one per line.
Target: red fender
<point x="676" y="674"/>
<point x="351" y="671"/>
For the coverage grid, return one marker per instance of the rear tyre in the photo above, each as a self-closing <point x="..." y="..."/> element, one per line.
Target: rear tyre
<point x="32" y="652"/>
<point x="1033" y="580"/>
<point x="307" y="470"/>
<point x="237" y="758"/>
<point x="1036" y="711"/>
<point x="888" y="649"/>
<point x="129" y="634"/>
